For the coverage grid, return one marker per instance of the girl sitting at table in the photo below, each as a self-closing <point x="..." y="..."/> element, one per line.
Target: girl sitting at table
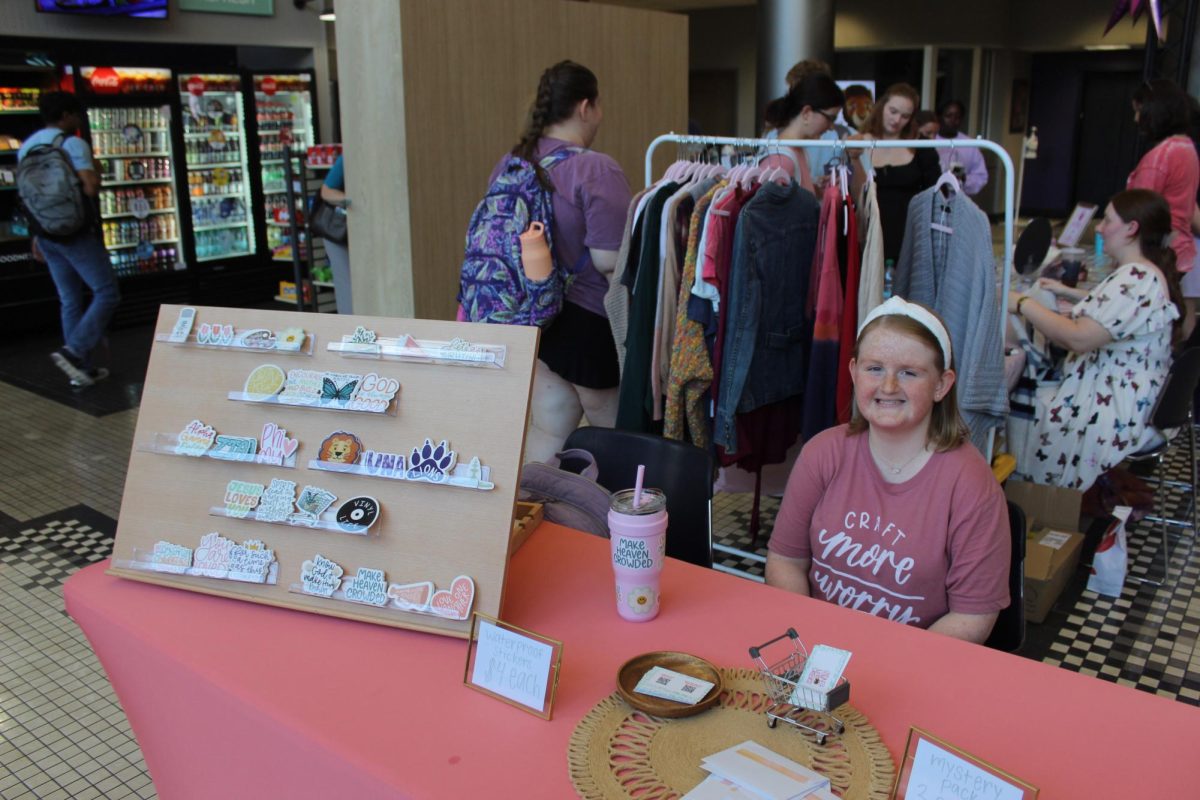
<point x="1119" y="336"/>
<point x="897" y="514"/>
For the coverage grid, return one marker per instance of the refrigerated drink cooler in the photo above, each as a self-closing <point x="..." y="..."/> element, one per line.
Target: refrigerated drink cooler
<point x="214" y="134"/>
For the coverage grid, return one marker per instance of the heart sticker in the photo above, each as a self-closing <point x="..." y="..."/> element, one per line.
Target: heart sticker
<point x="454" y="603"/>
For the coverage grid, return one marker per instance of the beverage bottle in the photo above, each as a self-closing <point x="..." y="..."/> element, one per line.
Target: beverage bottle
<point x="638" y="539"/>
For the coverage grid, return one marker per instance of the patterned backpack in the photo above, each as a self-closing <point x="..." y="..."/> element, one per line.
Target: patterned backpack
<point x="492" y="283"/>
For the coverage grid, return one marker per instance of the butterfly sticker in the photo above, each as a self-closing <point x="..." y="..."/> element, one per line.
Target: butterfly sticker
<point x="330" y="393"/>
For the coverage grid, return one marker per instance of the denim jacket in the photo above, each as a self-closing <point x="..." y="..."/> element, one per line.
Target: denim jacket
<point x="767" y="335"/>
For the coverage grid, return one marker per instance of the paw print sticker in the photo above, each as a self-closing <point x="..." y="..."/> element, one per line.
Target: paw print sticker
<point x="429" y="463"/>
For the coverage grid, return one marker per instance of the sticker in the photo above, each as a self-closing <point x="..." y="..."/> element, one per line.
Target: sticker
<point x="411" y="596"/>
<point x="235" y="448"/>
<point x="431" y="463"/>
<point x="362" y="336"/>
<point x="455" y="602"/>
<point x="183" y="325"/>
<point x="320" y="576"/>
<point x="214" y="334"/>
<point x="312" y="502"/>
<point x="337" y="389"/>
<point x="139" y="207"/>
<point x="212" y="555"/>
<point x="170" y="557"/>
<point x="276" y="446"/>
<point x="195" y="439"/>
<point x="461" y="350"/>
<point x="358" y="514"/>
<point x="257" y="338"/>
<point x="386" y="465"/>
<point x="276" y="502"/>
<point x="474" y="478"/>
<point x="368" y="587"/>
<point x="303" y="387"/>
<point x="340" y="447"/>
<point x="242" y="497"/>
<point x="264" y="382"/>
<point x="290" y="339"/>
<point x="250" y="561"/>
<point x="374" y="393"/>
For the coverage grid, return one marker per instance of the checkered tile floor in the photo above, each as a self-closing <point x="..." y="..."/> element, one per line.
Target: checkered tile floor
<point x="62" y="732"/>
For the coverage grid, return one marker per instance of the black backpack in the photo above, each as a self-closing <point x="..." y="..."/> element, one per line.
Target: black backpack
<point x="51" y="191"/>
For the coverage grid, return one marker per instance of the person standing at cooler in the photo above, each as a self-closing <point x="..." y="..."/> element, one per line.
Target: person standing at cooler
<point x="333" y="191"/>
<point x="1171" y="168"/>
<point x="77" y="261"/>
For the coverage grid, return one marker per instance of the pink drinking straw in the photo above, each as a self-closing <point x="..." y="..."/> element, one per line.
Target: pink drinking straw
<point x="637" y="486"/>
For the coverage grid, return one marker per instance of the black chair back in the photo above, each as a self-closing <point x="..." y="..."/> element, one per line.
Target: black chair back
<point x="683" y="471"/>
<point x="1174" y="407"/>
<point x="1008" y="634"/>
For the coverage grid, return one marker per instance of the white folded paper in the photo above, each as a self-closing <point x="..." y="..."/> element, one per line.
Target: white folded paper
<point x="764" y="773"/>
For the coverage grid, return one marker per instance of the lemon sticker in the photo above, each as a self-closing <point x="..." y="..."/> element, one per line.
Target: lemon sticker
<point x="264" y="382"/>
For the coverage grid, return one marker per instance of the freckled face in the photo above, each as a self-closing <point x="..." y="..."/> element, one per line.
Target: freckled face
<point x="896" y="380"/>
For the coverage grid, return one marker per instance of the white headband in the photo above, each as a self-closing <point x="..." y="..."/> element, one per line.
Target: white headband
<point x="899" y="307"/>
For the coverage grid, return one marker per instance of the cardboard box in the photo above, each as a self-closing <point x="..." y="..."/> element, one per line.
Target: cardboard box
<point x="1052" y="545"/>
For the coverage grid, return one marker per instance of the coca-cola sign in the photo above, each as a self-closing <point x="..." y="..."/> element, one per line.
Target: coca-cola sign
<point x="105" y="80"/>
<point x="195" y="85"/>
<point x="269" y="86"/>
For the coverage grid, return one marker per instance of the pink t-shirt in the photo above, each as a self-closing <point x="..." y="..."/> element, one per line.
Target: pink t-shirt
<point x="911" y="551"/>
<point x="1172" y="169"/>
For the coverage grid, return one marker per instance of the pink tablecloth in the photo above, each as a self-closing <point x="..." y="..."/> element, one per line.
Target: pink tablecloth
<point x="232" y="699"/>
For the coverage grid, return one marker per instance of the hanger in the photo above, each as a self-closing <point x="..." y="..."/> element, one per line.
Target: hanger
<point x="948" y="180"/>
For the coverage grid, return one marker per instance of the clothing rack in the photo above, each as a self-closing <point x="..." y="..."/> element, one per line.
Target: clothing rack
<point x="839" y="147"/>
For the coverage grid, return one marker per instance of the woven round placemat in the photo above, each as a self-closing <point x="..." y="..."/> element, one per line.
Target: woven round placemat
<point x="617" y="752"/>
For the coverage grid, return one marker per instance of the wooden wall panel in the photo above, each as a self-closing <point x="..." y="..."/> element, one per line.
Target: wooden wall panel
<point x="470" y="72"/>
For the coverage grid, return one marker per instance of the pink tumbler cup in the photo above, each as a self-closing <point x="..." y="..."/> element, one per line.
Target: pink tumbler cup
<point x="638" y="538"/>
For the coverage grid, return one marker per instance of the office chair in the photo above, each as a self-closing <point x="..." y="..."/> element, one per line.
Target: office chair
<point x="683" y="471"/>
<point x="1174" y="410"/>
<point x="1008" y="633"/>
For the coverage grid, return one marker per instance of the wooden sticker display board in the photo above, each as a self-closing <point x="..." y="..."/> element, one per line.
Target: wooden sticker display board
<point x="425" y="532"/>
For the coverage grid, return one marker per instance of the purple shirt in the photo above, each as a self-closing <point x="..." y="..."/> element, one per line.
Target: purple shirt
<point x="591" y="198"/>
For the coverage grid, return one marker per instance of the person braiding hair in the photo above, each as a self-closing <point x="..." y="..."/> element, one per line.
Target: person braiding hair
<point x="560" y="90"/>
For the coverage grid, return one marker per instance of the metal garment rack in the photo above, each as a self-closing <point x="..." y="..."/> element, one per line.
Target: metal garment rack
<point x="840" y="147"/>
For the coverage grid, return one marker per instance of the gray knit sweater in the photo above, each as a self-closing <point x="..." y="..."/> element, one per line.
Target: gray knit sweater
<point x="962" y="290"/>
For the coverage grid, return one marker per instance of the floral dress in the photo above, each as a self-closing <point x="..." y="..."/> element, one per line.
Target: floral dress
<point x="1101" y="411"/>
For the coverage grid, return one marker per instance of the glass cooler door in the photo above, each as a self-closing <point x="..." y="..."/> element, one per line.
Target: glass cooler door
<point x="131" y="141"/>
<point x="218" y="184"/>
<point x="283" y="105"/>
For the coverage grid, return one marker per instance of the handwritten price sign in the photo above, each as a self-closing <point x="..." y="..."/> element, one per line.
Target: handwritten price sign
<point x="514" y="665"/>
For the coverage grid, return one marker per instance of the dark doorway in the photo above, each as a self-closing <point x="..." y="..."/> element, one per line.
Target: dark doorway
<point x="712" y="102"/>
<point x="1108" y="136"/>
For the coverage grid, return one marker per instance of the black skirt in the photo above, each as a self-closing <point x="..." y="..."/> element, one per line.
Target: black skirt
<point x="578" y="347"/>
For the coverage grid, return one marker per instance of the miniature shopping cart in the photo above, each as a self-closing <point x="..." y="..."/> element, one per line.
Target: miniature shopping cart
<point x="789" y="700"/>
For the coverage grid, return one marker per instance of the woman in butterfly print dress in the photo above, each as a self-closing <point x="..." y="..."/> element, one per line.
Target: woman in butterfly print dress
<point x="1119" y="336"/>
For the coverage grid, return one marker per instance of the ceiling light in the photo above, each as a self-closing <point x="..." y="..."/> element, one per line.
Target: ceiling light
<point x="327" y="15"/>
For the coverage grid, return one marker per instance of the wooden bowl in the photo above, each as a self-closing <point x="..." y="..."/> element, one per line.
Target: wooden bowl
<point x="632" y="671"/>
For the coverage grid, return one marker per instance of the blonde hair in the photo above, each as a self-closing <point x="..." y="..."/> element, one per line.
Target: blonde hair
<point x="946" y="427"/>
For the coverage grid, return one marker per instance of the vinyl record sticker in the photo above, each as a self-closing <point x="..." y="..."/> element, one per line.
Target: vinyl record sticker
<point x="358" y="514"/>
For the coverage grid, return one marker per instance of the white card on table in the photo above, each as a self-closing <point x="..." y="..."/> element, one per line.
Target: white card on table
<point x="716" y="788"/>
<point x="937" y="771"/>
<point x="764" y="771"/>
<point x="512" y="665"/>
<point x="671" y="685"/>
<point x="824" y="668"/>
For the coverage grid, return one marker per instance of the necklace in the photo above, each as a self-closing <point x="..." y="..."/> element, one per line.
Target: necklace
<point x="892" y="468"/>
